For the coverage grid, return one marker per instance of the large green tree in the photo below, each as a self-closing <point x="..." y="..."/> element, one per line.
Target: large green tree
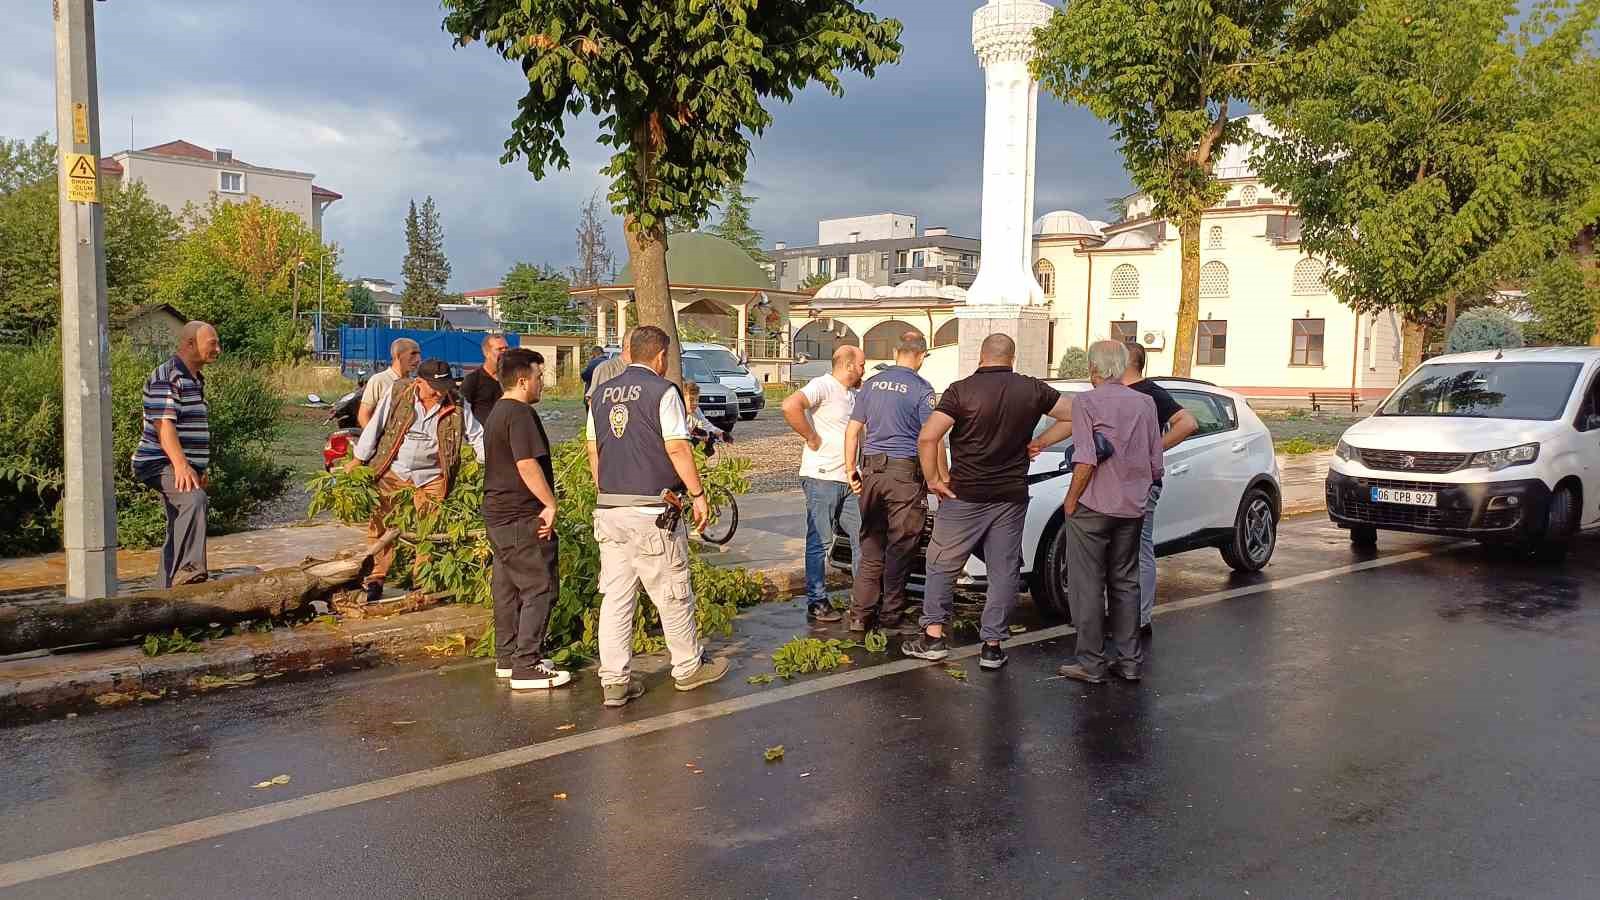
<point x="1564" y="303"/>
<point x="140" y="237"/>
<point x="426" y="269"/>
<point x="245" y="267"/>
<point x="1436" y="150"/>
<point x="678" y="86"/>
<point x="1165" y="74"/>
<point x="530" y="293"/>
<point x="735" y="223"/>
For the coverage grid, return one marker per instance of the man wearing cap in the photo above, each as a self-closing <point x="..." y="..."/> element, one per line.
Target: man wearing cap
<point x="889" y="412"/>
<point x="414" y="440"/>
<point x="639" y="447"/>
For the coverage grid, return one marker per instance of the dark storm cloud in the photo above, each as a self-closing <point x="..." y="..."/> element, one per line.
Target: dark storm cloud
<point x="371" y="97"/>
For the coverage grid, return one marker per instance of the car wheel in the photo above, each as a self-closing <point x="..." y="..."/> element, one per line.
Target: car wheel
<point x="1048" y="581"/>
<point x="1363" y="536"/>
<point x="1560" y="518"/>
<point x="746" y="417"/>
<point x="1255" y="533"/>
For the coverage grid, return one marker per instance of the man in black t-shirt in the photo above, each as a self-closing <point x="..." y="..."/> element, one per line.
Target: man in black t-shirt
<point x="1177" y="423"/>
<point x="990" y="416"/>
<point x="481" y="388"/>
<point x="519" y="511"/>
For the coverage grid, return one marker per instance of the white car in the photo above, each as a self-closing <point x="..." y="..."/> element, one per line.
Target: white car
<point x="1220" y="490"/>
<point x="734" y="375"/>
<point x="1501" y="445"/>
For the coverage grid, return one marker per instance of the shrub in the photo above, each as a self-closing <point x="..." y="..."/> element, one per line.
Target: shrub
<point x="242" y="473"/>
<point x="1074" y="363"/>
<point x="458" y="550"/>
<point x="1484" y="328"/>
<point x="1563" y="305"/>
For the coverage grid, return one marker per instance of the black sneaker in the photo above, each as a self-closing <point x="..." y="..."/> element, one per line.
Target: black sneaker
<point x="538" y="678"/>
<point x="925" y="646"/>
<point x="992" y="657"/>
<point x="822" y="612"/>
<point x="375" y="592"/>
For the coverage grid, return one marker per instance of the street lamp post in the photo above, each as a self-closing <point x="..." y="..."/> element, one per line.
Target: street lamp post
<point x="89" y="526"/>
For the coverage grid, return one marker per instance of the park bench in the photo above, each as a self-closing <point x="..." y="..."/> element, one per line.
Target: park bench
<point x="1339" y="398"/>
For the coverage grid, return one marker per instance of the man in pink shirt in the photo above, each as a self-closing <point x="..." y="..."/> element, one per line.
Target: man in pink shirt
<point x="1105" y="514"/>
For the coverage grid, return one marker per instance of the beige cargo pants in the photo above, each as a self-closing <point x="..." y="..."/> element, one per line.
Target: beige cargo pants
<point x="634" y="552"/>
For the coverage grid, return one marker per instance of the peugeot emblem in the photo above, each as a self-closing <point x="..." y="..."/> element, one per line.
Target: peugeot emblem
<point x="1407" y="461"/>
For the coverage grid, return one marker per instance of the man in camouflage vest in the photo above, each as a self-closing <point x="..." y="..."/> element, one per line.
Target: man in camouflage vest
<point x="414" y="440"/>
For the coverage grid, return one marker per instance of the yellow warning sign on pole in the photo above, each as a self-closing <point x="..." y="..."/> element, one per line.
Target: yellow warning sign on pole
<point x="83" y="178"/>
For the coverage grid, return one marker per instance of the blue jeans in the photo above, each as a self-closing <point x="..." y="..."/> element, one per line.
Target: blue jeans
<point x="1147" y="558"/>
<point x="822" y="497"/>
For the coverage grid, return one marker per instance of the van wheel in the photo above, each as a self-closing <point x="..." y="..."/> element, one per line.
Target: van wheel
<point x="1363" y="536"/>
<point x="745" y="417"/>
<point x="1558" y="528"/>
<point x="1255" y="533"/>
<point x="1048" y="580"/>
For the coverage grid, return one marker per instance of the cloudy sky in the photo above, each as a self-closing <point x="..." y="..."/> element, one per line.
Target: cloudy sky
<point x="370" y="96"/>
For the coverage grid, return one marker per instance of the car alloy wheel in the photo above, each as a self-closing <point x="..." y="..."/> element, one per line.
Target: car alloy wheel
<point x="1254" y="535"/>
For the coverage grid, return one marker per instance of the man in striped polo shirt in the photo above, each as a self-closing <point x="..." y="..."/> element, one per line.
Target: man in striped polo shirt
<point x="175" y="449"/>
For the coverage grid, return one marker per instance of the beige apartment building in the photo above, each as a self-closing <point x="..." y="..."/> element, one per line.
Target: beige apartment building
<point x="178" y="173"/>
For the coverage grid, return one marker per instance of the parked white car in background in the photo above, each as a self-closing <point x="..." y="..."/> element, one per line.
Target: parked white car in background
<point x="1502" y="446"/>
<point x="734" y="375"/>
<point x="1220" y="490"/>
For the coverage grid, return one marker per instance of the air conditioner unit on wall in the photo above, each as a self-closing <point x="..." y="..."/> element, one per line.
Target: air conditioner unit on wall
<point x="1153" y="339"/>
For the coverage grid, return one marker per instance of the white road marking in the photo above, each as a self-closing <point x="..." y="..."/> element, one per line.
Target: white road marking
<point x="63" y="862"/>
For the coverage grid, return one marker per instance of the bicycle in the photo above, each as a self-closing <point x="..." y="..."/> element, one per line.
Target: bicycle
<point x="720" y="525"/>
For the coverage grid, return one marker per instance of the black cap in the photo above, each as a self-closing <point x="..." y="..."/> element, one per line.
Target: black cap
<point x="436" y="372"/>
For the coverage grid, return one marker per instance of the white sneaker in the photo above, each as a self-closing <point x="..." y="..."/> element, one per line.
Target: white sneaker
<point x="539" y="678"/>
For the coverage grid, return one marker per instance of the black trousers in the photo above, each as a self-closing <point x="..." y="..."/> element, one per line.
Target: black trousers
<point x="894" y="509"/>
<point x="525" y="582"/>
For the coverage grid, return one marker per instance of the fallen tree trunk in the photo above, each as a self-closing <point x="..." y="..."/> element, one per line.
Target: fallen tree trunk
<point x="270" y="594"/>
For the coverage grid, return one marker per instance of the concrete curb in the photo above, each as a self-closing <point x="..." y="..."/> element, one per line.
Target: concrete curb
<point x="41" y="685"/>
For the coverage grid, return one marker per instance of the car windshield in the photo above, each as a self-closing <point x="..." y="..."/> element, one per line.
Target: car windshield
<point x="1487" y="390"/>
<point x="698" y="371"/>
<point x="722" y="362"/>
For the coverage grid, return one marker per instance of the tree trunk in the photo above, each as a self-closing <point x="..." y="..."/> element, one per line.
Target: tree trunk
<point x="1412" y="335"/>
<point x="1188" y="297"/>
<point x="647" y="254"/>
<point x="273" y="593"/>
<point x="1449" y="314"/>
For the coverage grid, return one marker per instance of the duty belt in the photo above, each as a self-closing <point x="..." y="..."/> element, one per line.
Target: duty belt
<point x="883" y="462"/>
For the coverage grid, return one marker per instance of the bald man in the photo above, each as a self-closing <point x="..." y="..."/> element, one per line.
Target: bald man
<point x="820" y="414"/>
<point x="175" y="448"/>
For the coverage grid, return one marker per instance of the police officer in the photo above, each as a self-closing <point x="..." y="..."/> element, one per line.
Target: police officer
<point x="888" y="415"/>
<point x="639" y="447"/>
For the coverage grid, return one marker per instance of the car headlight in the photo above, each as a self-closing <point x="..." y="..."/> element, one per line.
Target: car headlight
<point x="1495" y="460"/>
<point x="1346" y="452"/>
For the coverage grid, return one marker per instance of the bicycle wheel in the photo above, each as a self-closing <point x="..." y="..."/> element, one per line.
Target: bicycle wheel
<point x="724" y="517"/>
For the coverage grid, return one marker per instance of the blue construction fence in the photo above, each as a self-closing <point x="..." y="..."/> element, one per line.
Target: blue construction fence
<point x="367" y="349"/>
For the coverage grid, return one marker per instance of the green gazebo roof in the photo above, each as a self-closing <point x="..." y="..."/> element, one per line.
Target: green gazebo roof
<point x="697" y="258"/>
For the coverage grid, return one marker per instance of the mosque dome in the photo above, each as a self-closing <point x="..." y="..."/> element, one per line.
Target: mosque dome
<point x="954" y="292"/>
<point x="915" y="288"/>
<point x="845" y="288"/>
<point x="1129" y="240"/>
<point x="1064" y="222"/>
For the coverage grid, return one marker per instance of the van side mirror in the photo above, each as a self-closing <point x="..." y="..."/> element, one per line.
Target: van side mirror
<point x="1591" y="422"/>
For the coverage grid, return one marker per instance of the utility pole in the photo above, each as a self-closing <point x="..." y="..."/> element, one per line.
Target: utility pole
<point x="90" y="500"/>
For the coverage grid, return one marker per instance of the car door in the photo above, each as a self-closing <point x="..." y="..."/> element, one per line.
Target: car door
<point x="1588" y="449"/>
<point x="1202" y="484"/>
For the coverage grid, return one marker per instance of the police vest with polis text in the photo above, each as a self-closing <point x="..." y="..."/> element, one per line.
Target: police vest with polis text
<point x="627" y="424"/>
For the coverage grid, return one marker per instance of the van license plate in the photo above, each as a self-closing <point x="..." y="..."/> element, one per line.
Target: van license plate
<point x="1408" y="498"/>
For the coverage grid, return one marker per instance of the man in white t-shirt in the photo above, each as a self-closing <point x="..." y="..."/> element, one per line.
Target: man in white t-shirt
<point x="820" y="414"/>
<point x="404" y="356"/>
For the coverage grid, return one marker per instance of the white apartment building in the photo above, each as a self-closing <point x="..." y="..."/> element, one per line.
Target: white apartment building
<point x="178" y="173"/>
<point x="883" y="249"/>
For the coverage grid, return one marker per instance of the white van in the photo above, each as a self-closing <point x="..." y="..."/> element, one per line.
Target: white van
<point x="1500" y="445"/>
<point x="731" y="371"/>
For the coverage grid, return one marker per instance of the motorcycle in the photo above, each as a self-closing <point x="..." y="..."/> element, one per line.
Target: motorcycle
<point x="342" y="415"/>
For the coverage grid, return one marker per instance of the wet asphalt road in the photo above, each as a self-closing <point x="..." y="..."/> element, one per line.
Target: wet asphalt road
<point x="1427" y="727"/>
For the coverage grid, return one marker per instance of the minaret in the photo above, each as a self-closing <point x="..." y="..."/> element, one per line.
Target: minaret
<point x="1005" y="297"/>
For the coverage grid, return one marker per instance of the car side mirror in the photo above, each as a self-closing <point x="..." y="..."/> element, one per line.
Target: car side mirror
<point x="1591" y="422"/>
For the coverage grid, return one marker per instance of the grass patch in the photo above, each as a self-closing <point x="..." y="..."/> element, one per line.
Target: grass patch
<point x="1300" y="446"/>
<point x="302" y="378"/>
<point x="300" y="445"/>
<point x="777" y="391"/>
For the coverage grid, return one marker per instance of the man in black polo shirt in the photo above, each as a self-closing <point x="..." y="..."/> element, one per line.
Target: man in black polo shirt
<point x="519" y="511"/>
<point x="1178" y="423"/>
<point x="990" y="416"/>
<point x="481" y="388"/>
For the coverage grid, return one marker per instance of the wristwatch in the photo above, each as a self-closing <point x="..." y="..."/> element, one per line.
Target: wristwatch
<point x="697" y="496"/>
